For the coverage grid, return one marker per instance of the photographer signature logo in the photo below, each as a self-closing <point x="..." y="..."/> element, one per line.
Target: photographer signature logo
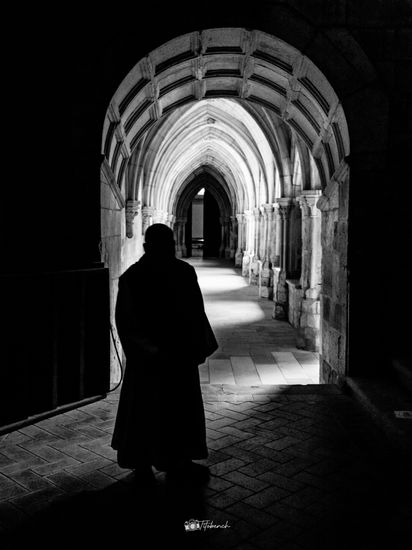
<point x="199" y="525"/>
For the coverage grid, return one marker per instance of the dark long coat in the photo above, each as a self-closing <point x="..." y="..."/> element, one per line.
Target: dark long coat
<point x="165" y="335"/>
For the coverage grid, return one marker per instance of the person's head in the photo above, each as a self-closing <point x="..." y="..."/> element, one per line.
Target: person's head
<point x="159" y="241"/>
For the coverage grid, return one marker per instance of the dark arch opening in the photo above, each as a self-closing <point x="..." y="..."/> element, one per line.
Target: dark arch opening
<point x="217" y="213"/>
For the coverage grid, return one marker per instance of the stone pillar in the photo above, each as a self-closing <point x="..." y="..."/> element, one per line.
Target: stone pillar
<point x="277" y="242"/>
<point x="170" y="220"/>
<point x="223" y="237"/>
<point x="227" y="238"/>
<point x="310" y="280"/>
<point x="180" y="232"/>
<point x="132" y="209"/>
<point x="267" y="211"/>
<point x="333" y="204"/>
<point x="240" y="239"/>
<point x="233" y="237"/>
<point x="248" y="252"/>
<point x="280" y="296"/>
<point x="254" y="262"/>
<point x="147" y="217"/>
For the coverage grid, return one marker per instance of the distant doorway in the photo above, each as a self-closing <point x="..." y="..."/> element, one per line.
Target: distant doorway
<point x="212" y="227"/>
<point x="204" y="227"/>
<point x="197" y="224"/>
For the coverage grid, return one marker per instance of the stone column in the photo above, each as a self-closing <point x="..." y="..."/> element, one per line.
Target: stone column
<point x="147" y="217"/>
<point x="170" y="220"/>
<point x="333" y="204"/>
<point x="310" y="280"/>
<point x="284" y="210"/>
<point x="227" y="237"/>
<point x="180" y="231"/>
<point x="233" y="237"/>
<point x="248" y="252"/>
<point x="254" y="265"/>
<point x="280" y="296"/>
<point x="240" y="239"/>
<point x="222" y="237"/>
<point x="277" y="241"/>
<point x="257" y="216"/>
<point x="267" y="211"/>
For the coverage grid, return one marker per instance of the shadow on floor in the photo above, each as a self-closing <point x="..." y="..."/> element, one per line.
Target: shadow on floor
<point x="296" y="467"/>
<point x="118" y="515"/>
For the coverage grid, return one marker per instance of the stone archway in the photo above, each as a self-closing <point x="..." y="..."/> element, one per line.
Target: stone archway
<point x="295" y="110"/>
<point x="212" y="181"/>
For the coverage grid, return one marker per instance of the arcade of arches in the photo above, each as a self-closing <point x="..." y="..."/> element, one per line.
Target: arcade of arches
<point x="253" y="122"/>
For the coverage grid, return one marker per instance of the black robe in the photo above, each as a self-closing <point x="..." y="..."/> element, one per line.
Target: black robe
<point x="165" y="335"/>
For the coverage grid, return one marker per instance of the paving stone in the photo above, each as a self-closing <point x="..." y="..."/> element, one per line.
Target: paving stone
<point x="96" y="478"/>
<point x="229" y="496"/>
<point x="222" y="442"/>
<point x="248" y="513"/>
<point x="227" y="466"/>
<point x="80" y="469"/>
<point x="300" y="517"/>
<point x="266" y="497"/>
<point x="52" y="467"/>
<point x="100" y="449"/>
<point x="28" y="501"/>
<point x="282" y="443"/>
<point x="303" y="498"/>
<point x="218" y="484"/>
<point x="67" y="482"/>
<point x="45" y="452"/>
<point x="30" y="480"/>
<point x="79" y="453"/>
<point x="244" y="480"/>
<point x="274" y="478"/>
<point x="259" y="467"/>
<point x="11" y="491"/>
<point x="19" y="466"/>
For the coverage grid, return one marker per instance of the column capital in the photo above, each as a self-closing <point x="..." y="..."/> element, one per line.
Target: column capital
<point x="267" y="210"/>
<point x="132" y="209"/>
<point x="240" y="218"/>
<point x="148" y="210"/>
<point x="284" y="206"/>
<point x="257" y="213"/>
<point x="308" y="202"/>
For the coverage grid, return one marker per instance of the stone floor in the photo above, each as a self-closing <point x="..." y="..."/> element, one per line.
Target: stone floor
<point x="293" y="466"/>
<point x="253" y="348"/>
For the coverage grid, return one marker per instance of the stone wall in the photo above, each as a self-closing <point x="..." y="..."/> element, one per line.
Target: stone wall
<point x="334" y="296"/>
<point x="118" y="251"/>
<point x="295" y="294"/>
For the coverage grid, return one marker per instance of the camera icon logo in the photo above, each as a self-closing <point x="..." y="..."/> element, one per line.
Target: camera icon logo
<point x="192" y="525"/>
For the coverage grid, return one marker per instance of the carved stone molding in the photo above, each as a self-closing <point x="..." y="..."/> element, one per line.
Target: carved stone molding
<point x="108" y="177"/>
<point x="132" y="209"/>
<point x="308" y="202"/>
<point x="284" y="206"/>
<point x="147" y="215"/>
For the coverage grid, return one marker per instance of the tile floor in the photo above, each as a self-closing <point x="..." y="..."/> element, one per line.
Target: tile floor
<point x="253" y="348"/>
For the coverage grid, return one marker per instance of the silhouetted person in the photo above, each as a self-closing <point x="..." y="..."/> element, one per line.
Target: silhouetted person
<point x="165" y="335"/>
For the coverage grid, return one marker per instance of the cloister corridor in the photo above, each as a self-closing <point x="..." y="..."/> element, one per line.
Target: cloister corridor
<point x="254" y="349"/>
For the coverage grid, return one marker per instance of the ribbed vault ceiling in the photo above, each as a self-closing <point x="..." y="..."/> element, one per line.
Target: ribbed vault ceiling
<point x="227" y="99"/>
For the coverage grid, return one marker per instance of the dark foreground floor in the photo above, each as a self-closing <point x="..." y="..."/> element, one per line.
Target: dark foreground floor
<point x="293" y="467"/>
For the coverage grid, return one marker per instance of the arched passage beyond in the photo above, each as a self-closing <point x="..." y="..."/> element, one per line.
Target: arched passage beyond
<point x="216" y="219"/>
<point x="257" y="114"/>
